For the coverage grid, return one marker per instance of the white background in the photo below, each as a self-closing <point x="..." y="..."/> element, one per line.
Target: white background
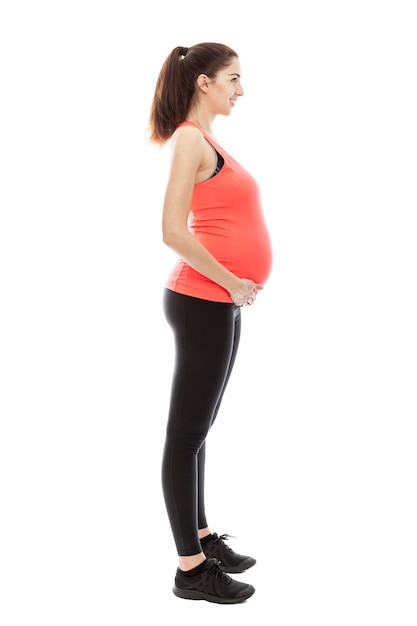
<point x="312" y="463"/>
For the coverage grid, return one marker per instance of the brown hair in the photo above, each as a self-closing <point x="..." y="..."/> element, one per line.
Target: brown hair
<point x="176" y="85"/>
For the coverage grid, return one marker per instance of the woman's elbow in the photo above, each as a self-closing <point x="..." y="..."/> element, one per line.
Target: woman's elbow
<point x="169" y="236"/>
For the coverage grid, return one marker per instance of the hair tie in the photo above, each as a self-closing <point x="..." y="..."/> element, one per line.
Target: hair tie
<point x="185" y="50"/>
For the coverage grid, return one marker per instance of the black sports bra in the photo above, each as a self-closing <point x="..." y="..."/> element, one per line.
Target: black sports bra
<point x="220" y="163"/>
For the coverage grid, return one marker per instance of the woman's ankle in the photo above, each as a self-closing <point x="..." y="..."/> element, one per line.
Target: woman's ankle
<point x="189" y="562"/>
<point x="204" y="532"/>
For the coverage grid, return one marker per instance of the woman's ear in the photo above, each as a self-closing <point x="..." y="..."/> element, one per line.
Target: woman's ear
<point x="203" y="82"/>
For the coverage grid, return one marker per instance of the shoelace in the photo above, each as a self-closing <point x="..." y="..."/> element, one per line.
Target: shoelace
<point x="224" y="538"/>
<point x="217" y="571"/>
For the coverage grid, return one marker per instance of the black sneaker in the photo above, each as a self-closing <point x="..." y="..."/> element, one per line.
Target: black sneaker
<point x="231" y="562"/>
<point x="212" y="584"/>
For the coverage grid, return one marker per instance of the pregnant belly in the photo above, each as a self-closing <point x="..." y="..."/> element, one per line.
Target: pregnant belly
<point x="248" y="256"/>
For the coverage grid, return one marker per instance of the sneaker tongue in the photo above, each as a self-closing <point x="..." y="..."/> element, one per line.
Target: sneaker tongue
<point x="213" y="567"/>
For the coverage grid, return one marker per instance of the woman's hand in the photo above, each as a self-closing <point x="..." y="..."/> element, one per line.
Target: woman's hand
<point x="245" y="292"/>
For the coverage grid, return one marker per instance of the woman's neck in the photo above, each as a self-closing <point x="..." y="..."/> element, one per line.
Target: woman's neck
<point x="202" y="122"/>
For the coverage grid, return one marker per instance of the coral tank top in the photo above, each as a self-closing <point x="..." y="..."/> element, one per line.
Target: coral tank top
<point x="226" y="216"/>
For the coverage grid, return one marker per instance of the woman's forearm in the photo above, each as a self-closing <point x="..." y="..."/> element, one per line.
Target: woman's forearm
<point x="199" y="258"/>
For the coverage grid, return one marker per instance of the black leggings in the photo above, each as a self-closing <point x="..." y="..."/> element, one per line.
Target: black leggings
<point x="206" y="341"/>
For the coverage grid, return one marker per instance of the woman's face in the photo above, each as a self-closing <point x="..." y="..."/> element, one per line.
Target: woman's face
<point x="225" y="89"/>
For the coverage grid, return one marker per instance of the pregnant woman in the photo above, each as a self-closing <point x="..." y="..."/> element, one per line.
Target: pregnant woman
<point x="213" y="220"/>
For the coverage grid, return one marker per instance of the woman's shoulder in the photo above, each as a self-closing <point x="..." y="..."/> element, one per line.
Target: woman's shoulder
<point x="188" y="132"/>
<point x="189" y="138"/>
